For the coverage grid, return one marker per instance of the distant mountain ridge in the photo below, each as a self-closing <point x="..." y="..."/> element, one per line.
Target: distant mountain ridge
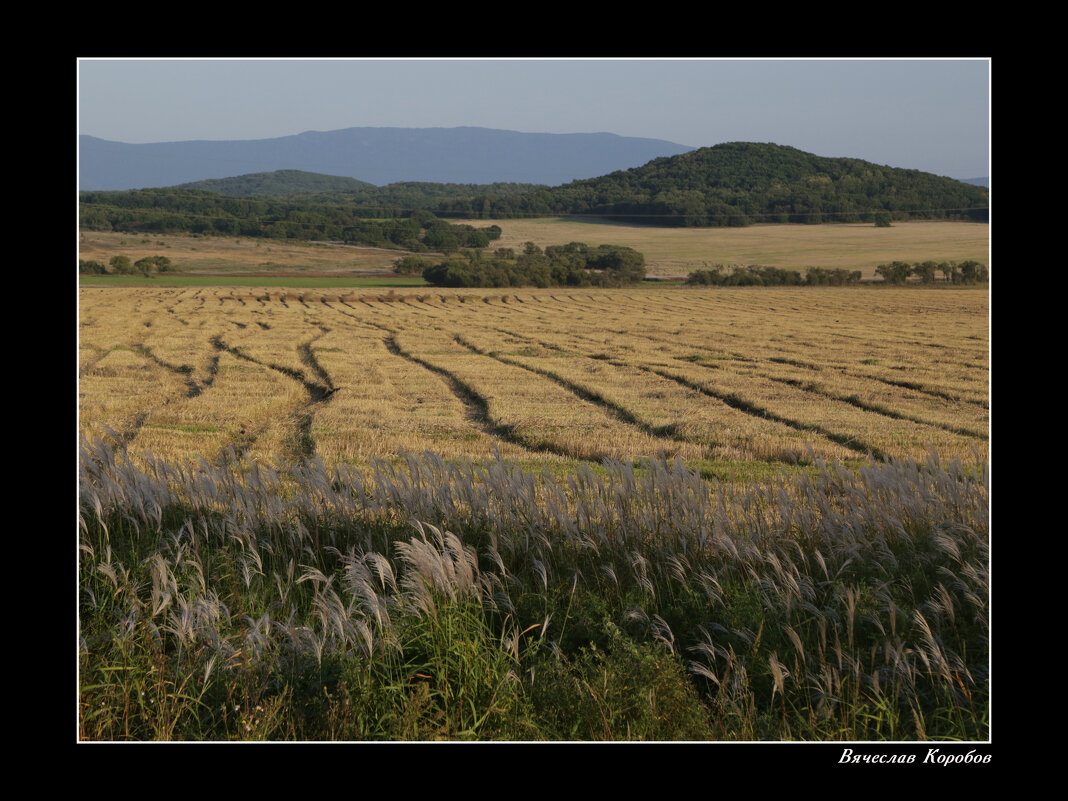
<point x="379" y="156"/>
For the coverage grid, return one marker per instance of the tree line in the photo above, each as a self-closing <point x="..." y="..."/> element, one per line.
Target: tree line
<point x="968" y="272"/>
<point x="170" y="211"/>
<point x="759" y="275"/>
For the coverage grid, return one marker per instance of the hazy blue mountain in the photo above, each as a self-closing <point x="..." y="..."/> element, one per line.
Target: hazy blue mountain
<point x="977" y="181"/>
<point x="379" y="156"/>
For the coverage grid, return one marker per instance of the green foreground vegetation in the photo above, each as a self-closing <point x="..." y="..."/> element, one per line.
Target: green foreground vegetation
<point x="429" y="600"/>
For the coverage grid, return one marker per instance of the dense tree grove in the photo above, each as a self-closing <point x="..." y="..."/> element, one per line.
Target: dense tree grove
<point x="199" y="212"/>
<point x="574" y="264"/>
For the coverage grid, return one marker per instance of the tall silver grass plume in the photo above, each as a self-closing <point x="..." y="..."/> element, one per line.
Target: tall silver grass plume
<point x="443" y="565"/>
<point x="662" y="633"/>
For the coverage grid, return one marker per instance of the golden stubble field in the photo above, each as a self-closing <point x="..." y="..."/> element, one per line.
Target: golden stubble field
<point x="546" y="377"/>
<point x="668" y="251"/>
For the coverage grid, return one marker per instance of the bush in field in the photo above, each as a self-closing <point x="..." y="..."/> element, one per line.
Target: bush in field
<point x="149" y="264"/>
<point x="121" y="265"/>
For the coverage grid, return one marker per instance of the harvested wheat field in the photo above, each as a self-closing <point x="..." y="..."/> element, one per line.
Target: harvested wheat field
<point x="718" y="377"/>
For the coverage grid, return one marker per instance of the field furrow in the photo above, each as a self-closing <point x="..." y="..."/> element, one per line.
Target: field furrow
<point x="533" y="410"/>
<point x="594" y="392"/>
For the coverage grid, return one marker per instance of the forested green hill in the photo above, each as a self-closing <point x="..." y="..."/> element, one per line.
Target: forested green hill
<point x="739" y="183"/>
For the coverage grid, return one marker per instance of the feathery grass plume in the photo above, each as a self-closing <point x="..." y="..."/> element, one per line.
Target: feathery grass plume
<point x="443" y="566"/>
<point x="778" y="673"/>
<point x="358" y="579"/>
<point x="662" y="633"/>
<point x="930" y="651"/>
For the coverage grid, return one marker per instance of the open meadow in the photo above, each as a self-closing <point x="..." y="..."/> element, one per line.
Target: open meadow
<point x="653" y="513"/>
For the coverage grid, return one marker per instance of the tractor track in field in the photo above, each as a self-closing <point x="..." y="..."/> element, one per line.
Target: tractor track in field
<point x="475" y="405"/>
<point x="917" y="387"/>
<point x="319" y="391"/>
<point x="754" y="410"/>
<point x="610" y="407"/>
<point x="852" y="400"/>
<point x="184" y="371"/>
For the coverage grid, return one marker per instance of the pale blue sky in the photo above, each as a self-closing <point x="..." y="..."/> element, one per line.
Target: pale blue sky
<point x="930" y="115"/>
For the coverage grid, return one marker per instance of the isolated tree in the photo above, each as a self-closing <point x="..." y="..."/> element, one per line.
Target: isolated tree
<point x="146" y="265"/>
<point x="883" y="219"/>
